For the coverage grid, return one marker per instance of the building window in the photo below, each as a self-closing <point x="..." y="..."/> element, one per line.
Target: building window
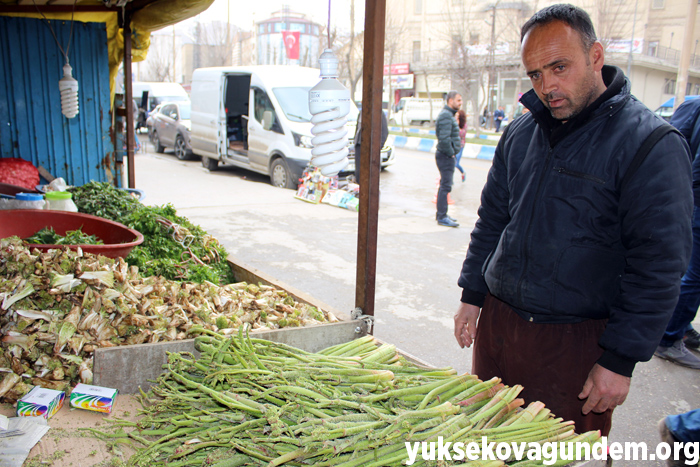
<point x="473" y="38"/>
<point x="416" y="51"/>
<point x="688" y="88"/>
<point x="417" y="7"/>
<point x="697" y="89"/>
<point x="657" y="4"/>
<point x="670" y="86"/>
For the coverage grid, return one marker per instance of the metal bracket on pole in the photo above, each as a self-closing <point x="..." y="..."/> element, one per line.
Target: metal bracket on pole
<point x="367" y="321"/>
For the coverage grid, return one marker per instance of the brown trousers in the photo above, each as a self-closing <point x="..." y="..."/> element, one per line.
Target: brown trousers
<point x="551" y="361"/>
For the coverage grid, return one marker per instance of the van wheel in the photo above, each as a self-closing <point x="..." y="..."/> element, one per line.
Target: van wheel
<point x="209" y="163"/>
<point x="280" y="176"/>
<point x="181" y="149"/>
<point x="156" y="142"/>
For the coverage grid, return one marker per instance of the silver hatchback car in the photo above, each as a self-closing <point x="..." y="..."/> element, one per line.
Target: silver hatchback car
<point x="169" y="127"/>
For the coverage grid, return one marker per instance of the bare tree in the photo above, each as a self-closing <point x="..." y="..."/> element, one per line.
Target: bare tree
<point x="613" y="20"/>
<point x="466" y="64"/>
<point x="158" y="62"/>
<point x="350" y="53"/>
<point x="214" y="43"/>
<point x="470" y="57"/>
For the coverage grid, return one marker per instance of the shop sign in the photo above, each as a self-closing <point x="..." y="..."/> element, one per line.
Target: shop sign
<point x="397" y="69"/>
<point x="623" y="46"/>
<point x="399" y="81"/>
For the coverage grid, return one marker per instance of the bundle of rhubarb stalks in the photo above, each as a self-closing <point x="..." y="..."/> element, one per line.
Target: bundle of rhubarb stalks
<point x="246" y="401"/>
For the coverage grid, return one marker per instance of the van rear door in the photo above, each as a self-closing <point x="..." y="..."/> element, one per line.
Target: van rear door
<point x="208" y="119"/>
<point x="235" y="124"/>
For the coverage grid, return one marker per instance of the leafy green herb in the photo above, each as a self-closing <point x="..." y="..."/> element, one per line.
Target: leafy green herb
<point x="47" y="236"/>
<point x="173" y="247"/>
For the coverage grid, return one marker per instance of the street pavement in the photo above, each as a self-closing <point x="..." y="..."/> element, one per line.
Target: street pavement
<point x="314" y="248"/>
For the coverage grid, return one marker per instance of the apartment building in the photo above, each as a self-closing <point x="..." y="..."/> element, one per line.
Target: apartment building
<point x="474" y="47"/>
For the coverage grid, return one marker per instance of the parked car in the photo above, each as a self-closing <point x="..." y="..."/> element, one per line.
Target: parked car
<point x="150" y="119"/>
<point x="256" y="118"/>
<point x="387" y="153"/>
<point x="156" y="93"/>
<point x="416" y="111"/>
<point x="170" y="127"/>
<point x="665" y="110"/>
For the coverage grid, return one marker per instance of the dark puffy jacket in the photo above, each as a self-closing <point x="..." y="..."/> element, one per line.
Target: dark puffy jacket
<point x="447" y="132"/>
<point x="686" y="119"/>
<point x="559" y="242"/>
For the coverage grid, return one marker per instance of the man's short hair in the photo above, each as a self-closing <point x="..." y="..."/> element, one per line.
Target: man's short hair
<point x="576" y="18"/>
<point x="451" y="95"/>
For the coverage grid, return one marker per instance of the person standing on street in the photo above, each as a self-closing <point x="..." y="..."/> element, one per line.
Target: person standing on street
<point x="575" y="261"/>
<point x="462" y="124"/>
<point x="448" y="145"/>
<point x="682" y="428"/>
<point x="357" y="141"/>
<point x="673" y="346"/>
<point x="498" y="116"/>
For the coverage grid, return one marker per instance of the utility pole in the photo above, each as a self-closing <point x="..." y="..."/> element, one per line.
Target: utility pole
<point x="682" y="77"/>
<point x="492" y="68"/>
<point x="629" y="58"/>
<point x="174" y="79"/>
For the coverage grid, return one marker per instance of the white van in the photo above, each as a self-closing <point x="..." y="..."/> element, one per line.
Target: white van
<point x="158" y="93"/>
<point x="257" y="118"/>
<point x="416" y="111"/>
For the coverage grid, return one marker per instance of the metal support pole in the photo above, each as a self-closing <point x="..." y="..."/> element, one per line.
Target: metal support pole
<point x="372" y="84"/>
<point x="129" y="101"/>
<point x="687" y="44"/>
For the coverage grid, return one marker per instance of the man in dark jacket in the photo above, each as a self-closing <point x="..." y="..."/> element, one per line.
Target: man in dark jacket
<point x="448" y="145"/>
<point x="572" y="274"/>
<point x="498" y="116"/>
<point x="673" y="347"/>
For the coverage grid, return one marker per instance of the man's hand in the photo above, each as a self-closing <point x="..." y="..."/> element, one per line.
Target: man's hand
<point x="465" y="324"/>
<point x="604" y="390"/>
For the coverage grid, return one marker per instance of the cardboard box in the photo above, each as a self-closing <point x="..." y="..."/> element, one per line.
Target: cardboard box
<point x="95" y="398"/>
<point x="40" y="402"/>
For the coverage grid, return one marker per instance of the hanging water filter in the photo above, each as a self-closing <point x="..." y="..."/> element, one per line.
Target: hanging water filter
<point x="329" y="104"/>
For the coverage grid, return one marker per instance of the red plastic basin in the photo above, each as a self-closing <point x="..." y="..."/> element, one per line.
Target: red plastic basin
<point x="118" y="239"/>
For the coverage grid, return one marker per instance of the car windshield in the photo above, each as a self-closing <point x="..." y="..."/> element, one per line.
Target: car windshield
<point x="295" y="104"/>
<point x="185" y="111"/>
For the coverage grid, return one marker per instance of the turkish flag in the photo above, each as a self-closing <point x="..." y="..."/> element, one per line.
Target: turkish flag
<point x="291" y="44"/>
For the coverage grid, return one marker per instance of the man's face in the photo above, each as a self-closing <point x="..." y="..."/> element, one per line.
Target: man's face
<point x="565" y="76"/>
<point x="455" y="102"/>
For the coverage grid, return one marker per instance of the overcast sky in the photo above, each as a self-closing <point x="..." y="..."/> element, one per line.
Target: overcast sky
<point x="244" y="12"/>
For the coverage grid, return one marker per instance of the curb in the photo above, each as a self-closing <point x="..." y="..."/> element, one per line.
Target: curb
<point x="418" y="132"/>
<point x="471" y="151"/>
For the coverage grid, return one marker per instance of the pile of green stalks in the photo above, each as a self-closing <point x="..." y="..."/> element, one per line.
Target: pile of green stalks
<point x="247" y="401"/>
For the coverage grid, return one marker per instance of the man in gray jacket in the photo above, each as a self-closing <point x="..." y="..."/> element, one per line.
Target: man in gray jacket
<point x="448" y="145"/>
